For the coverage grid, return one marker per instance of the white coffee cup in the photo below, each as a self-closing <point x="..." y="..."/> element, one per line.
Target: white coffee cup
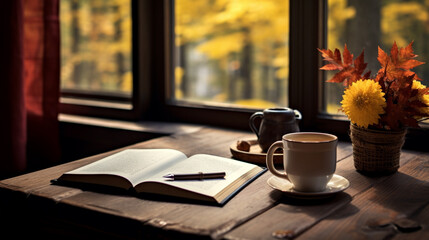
<point x="309" y="159"/>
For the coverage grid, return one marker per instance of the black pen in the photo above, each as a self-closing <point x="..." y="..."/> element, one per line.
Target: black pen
<point x="195" y="176"/>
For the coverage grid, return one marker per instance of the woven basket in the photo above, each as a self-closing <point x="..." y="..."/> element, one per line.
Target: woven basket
<point x="376" y="152"/>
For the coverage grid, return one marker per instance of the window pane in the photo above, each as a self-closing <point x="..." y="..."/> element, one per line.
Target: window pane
<point x="96" y="45"/>
<point x="232" y="52"/>
<point x="367" y="24"/>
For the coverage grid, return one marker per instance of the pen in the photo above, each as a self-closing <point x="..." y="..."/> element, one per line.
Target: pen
<point x="194" y="176"/>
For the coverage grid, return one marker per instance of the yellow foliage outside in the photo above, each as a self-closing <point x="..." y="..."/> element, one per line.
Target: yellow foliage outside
<point x="255" y="103"/>
<point x="222" y="30"/>
<point x="339" y="13"/>
<point x="398" y="17"/>
<point x="96" y="45"/>
<point x="127" y="83"/>
<point x="221" y="47"/>
<point x="178" y="77"/>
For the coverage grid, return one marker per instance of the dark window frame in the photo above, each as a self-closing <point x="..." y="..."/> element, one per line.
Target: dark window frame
<point x="307" y="33"/>
<point x="153" y="71"/>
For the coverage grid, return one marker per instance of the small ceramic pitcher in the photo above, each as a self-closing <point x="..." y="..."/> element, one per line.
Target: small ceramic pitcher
<point x="275" y="123"/>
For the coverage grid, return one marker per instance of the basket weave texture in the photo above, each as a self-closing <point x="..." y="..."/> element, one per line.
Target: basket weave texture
<point x="376" y="151"/>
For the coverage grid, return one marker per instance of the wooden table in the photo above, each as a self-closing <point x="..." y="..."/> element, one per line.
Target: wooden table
<point x="395" y="206"/>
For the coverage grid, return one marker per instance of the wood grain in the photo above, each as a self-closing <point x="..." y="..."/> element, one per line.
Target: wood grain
<point x="395" y="206"/>
<point x="298" y="216"/>
<point x="170" y="215"/>
<point x="372" y="214"/>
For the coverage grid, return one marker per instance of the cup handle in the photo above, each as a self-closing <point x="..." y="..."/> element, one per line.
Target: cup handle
<point x="252" y="122"/>
<point x="270" y="162"/>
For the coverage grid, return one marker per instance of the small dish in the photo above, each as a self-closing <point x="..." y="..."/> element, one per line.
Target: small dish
<point x="255" y="154"/>
<point x="336" y="184"/>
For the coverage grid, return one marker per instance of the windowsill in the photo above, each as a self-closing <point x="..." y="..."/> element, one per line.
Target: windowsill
<point x="96" y="103"/>
<point x="163" y="128"/>
<point x="85" y="136"/>
<point x="82" y="136"/>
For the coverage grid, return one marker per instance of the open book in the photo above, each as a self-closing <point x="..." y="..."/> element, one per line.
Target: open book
<point x="142" y="170"/>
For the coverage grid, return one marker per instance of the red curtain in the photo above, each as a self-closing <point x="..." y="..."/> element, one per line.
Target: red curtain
<point x="29" y="70"/>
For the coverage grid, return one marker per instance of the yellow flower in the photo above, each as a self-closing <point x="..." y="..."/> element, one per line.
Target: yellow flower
<point x="424" y="98"/>
<point x="363" y="102"/>
<point x="418" y="85"/>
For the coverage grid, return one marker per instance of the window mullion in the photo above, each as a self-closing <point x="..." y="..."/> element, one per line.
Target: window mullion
<point x="305" y="34"/>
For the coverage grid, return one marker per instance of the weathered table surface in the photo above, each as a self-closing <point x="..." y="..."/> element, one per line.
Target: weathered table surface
<point x="395" y="206"/>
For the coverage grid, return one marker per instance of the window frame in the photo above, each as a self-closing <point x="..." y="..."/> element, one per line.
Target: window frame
<point x="153" y="72"/>
<point x="117" y="105"/>
<point x="307" y="33"/>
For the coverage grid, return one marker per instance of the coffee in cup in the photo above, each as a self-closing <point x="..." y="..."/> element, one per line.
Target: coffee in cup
<point x="309" y="159"/>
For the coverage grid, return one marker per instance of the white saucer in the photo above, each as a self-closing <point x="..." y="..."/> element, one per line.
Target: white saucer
<point x="335" y="185"/>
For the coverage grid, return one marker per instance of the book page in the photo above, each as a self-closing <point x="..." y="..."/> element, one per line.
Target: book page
<point x="204" y="163"/>
<point x="133" y="164"/>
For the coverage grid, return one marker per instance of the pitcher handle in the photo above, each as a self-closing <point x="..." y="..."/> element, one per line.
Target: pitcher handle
<point x="298" y="115"/>
<point x="252" y="122"/>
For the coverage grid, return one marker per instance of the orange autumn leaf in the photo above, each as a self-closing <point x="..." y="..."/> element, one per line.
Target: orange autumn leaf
<point x="349" y="71"/>
<point x="399" y="62"/>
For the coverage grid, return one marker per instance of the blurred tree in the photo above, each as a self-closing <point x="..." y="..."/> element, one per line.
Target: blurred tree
<point x="363" y="31"/>
<point x="246" y="41"/>
<point x="96" y="45"/>
<point x="339" y="13"/>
